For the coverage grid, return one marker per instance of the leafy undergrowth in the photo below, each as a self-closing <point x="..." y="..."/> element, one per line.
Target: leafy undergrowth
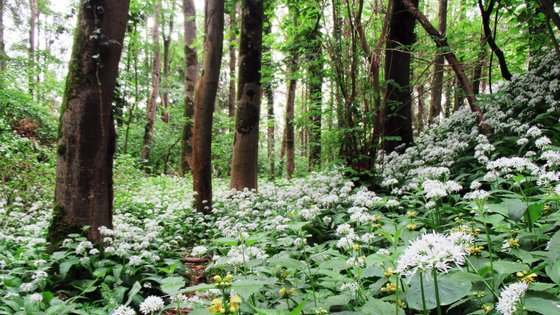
<point x="470" y="226"/>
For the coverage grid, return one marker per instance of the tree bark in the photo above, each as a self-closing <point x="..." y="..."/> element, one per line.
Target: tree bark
<point x="191" y="74"/>
<point x="315" y="99"/>
<point x="232" y="61"/>
<point x="398" y="119"/>
<point x="31" y="49"/>
<point x="437" y="82"/>
<point x="166" y="64"/>
<point x="485" y="13"/>
<point x="86" y="142"/>
<point x="547" y="7"/>
<point x="269" y="93"/>
<point x="205" y="98"/>
<point x="244" y="166"/>
<point x="156" y="78"/>
<point x="289" y="127"/>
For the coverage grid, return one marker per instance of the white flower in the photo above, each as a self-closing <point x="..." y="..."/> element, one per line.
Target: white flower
<point x="36" y="297"/>
<point x="522" y="141"/>
<point x="124" y="310"/>
<point x="352" y="286"/>
<point x="134" y="260"/>
<point x="199" y="251"/>
<point x="475" y="185"/>
<point x="391" y="203"/>
<point x="434" y="251"/>
<point x="327" y="220"/>
<point x="383" y="251"/>
<point x="510" y="296"/>
<point x="478" y="194"/>
<point x="151" y="304"/>
<point x="534" y="132"/>
<point x="542" y="142"/>
<point x="27" y="287"/>
<point x="356" y="262"/>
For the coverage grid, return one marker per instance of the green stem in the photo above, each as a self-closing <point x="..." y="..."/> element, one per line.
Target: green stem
<point x="483" y="281"/>
<point x="491" y="256"/>
<point x="422" y="291"/>
<point x="397" y="298"/>
<point x="434" y="273"/>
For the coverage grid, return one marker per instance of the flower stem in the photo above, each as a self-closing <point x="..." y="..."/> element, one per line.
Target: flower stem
<point x="434" y="272"/>
<point x="397" y="298"/>
<point x="422" y="292"/>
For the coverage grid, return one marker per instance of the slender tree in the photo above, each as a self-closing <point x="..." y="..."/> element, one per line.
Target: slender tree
<point x="31" y="49"/>
<point x="486" y="12"/>
<point x="267" y="86"/>
<point x="86" y="143"/>
<point x="437" y="82"/>
<point x="244" y="167"/>
<point x="2" y="42"/>
<point x="315" y="89"/>
<point x="232" y="59"/>
<point x="191" y="74"/>
<point x="398" y="101"/>
<point x="166" y="37"/>
<point x="289" y="133"/>
<point x="156" y="79"/>
<point x="205" y="97"/>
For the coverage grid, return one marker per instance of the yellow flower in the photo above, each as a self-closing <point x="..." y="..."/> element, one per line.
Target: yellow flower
<point x="389" y="272"/>
<point x="217" y="279"/>
<point x="356" y="246"/>
<point x="217" y="306"/>
<point x="476" y="250"/>
<point x="513" y="243"/>
<point x="283" y="292"/>
<point x="458" y="220"/>
<point x="486" y="308"/>
<point x="234" y="303"/>
<point x="376" y="225"/>
<point x="389" y="287"/>
<point x="411" y="226"/>
<point x="411" y="214"/>
<point x="228" y="278"/>
<point x="525" y="277"/>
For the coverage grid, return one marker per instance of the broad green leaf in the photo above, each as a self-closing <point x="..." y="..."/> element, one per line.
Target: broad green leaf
<point x="199" y="287"/>
<point x="66" y="265"/>
<point x="516" y="208"/>
<point x="506" y="267"/>
<point x="226" y="241"/>
<point x="299" y="308"/>
<point x="535" y="212"/>
<point x="378" y="307"/>
<point x="554" y="248"/>
<point x="542" y="306"/>
<point x="135" y="289"/>
<point x="172" y="285"/>
<point x="246" y="288"/>
<point x="450" y="290"/>
<point x="553" y="271"/>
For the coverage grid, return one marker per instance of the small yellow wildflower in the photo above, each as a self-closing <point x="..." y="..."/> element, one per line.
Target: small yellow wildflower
<point x="356" y="246"/>
<point x="458" y="220"/>
<point x="526" y="277"/>
<point x="321" y="311"/>
<point x="389" y="272"/>
<point x="234" y="303"/>
<point x="228" y="278"/>
<point x="283" y="292"/>
<point x="513" y="243"/>
<point x="217" y="279"/>
<point x="411" y="226"/>
<point x="217" y="306"/>
<point x="411" y="214"/>
<point x="486" y="308"/>
<point x="389" y="287"/>
<point x="376" y="225"/>
<point x="476" y="250"/>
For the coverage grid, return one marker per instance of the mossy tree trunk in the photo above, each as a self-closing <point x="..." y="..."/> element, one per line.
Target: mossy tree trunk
<point x="191" y="74"/>
<point x="86" y="143"/>
<point x="205" y="98"/>
<point x="244" y="166"/>
<point x="437" y="82"/>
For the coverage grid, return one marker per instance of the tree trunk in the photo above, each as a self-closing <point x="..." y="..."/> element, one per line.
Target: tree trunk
<point x="31" y="50"/>
<point x="86" y="143"/>
<point x="205" y="98"/>
<point x="289" y="127"/>
<point x="398" y="120"/>
<point x="2" y="42"/>
<point x="420" y="118"/>
<point x="244" y="166"/>
<point x="547" y="7"/>
<point x="156" y="78"/>
<point x="232" y="61"/>
<point x="269" y="93"/>
<point x="191" y="74"/>
<point x="485" y="13"/>
<point x="477" y="72"/>
<point x="437" y="83"/>
<point x="315" y="58"/>
<point x="166" y="64"/>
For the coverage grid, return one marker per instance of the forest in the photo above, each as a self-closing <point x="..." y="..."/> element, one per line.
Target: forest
<point x="280" y="157"/>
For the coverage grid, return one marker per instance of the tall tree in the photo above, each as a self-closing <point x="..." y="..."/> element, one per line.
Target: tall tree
<point x="191" y="74"/>
<point x="2" y="42"/>
<point x="166" y="37"/>
<point x="268" y="66"/>
<point x="315" y="86"/>
<point x="398" y="100"/>
<point x="437" y="82"/>
<point x="86" y="143"/>
<point x="244" y="167"/>
<point x="156" y="79"/>
<point x="486" y="13"/>
<point x="232" y="59"/>
<point x="289" y="133"/>
<point x="31" y="49"/>
<point x="205" y="97"/>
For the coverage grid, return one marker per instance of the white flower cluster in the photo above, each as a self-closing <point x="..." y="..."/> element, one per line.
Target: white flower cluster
<point x="434" y="251"/>
<point x="124" y="310"/>
<point x="437" y="189"/>
<point x="151" y="304"/>
<point x="242" y="254"/>
<point x="510" y="297"/>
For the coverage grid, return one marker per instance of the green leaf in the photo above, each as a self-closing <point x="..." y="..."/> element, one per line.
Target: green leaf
<point x="299" y="308"/>
<point x="172" y="285"/>
<point x="535" y="212"/>
<point x="505" y="267"/>
<point x="66" y="265"/>
<point x="378" y="307"/>
<point x="199" y="287"/>
<point x="450" y="290"/>
<point x="135" y="289"/>
<point x="516" y="208"/>
<point x="542" y="306"/>
<point x="554" y="248"/>
<point x="226" y="241"/>
<point x="246" y="288"/>
<point x="553" y="271"/>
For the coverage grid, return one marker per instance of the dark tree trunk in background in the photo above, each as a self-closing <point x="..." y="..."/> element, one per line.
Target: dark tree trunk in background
<point x="477" y="72"/>
<point x="547" y="7"/>
<point x="398" y="118"/>
<point x="191" y="74"/>
<point x="269" y="94"/>
<point x="166" y="64"/>
<point x="86" y="143"/>
<point x="486" y="13"/>
<point x="289" y="132"/>
<point x="205" y="98"/>
<point x="437" y="82"/>
<point x="31" y="49"/>
<point x="244" y="166"/>
<point x="315" y="99"/>
<point x="2" y="42"/>
<point x="232" y="60"/>
<point x="156" y="78"/>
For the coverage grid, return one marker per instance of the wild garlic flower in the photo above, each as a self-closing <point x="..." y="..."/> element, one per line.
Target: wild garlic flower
<point x="199" y="251"/>
<point x="510" y="297"/>
<point x="151" y="304"/>
<point x="478" y="194"/>
<point x="434" y="251"/>
<point x="36" y="297"/>
<point x="123" y="310"/>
